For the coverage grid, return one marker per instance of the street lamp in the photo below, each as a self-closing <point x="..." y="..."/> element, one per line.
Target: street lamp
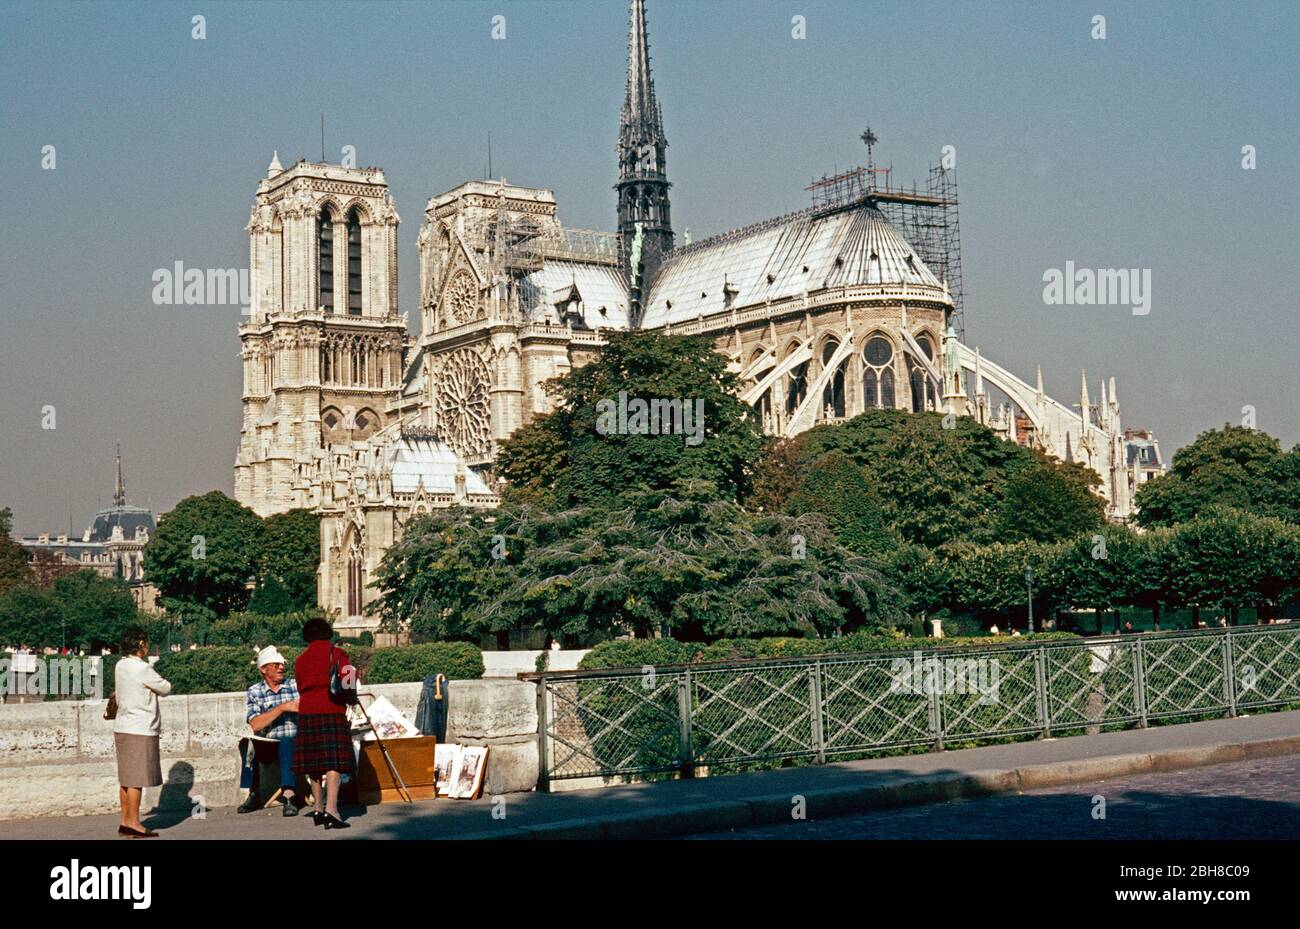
<point x="1029" y="585"/>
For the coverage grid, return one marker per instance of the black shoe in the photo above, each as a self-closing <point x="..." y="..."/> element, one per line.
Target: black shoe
<point x="318" y="817"/>
<point x="288" y="809"/>
<point x="333" y="822"/>
<point x="250" y="805"/>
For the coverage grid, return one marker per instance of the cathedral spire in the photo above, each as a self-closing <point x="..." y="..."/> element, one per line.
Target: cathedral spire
<point x="642" y="169"/>
<point x="119" y="489"/>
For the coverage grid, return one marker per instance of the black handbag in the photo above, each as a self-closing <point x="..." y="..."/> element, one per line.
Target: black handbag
<point x="340" y="694"/>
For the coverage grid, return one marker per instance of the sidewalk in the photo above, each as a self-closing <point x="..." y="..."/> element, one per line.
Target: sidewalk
<point x="718" y="803"/>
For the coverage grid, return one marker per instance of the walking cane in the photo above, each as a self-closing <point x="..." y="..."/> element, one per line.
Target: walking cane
<point x="392" y="768"/>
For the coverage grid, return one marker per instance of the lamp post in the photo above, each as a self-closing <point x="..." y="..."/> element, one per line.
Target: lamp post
<point x="1029" y="586"/>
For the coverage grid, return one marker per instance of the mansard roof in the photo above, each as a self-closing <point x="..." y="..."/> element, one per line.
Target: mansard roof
<point x="414" y="459"/>
<point x="128" y="517"/>
<point x="599" y="286"/>
<point x="801" y="252"/>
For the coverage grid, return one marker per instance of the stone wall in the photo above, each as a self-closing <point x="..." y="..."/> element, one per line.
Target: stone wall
<point x="57" y="758"/>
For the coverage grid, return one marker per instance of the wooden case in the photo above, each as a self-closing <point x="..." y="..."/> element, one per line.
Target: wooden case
<point x="413" y="759"/>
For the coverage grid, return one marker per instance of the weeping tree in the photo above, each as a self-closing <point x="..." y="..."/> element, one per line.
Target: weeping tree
<point x="678" y="562"/>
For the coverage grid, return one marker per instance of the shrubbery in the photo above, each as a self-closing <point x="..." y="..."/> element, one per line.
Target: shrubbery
<point x="459" y="661"/>
<point x="639" y="653"/>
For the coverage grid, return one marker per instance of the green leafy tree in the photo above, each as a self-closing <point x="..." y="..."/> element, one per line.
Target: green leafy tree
<point x="96" y="609"/>
<point x="990" y="579"/>
<point x="1228" y="558"/>
<point x="837" y="488"/>
<point x="1050" y="502"/>
<point x="1096" y="570"/>
<point x="272" y="599"/>
<point x="681" y="563"/>
<point x="1233" y="467"/>
<point x="29" y="616"/>
<point x="448" y="568"/>
<point x="574" y="456"/>
<point x="14" y="568"/>
<point x="289" y="560"/>
<point x="934" y="485"/>
<point x="204" y="553"/>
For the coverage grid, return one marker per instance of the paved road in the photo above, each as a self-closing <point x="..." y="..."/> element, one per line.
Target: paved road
<point x="1247" y="799"/>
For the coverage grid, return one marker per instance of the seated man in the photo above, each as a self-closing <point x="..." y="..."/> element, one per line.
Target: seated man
<point x="273" y="714"/>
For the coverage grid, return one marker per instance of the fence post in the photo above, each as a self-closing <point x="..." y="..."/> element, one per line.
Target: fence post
<point x="1139" y="681"/>
<point x="1229" y="688"/>
<point x="543" y="746"/>
<point x="1040" y="687"/>
<point x="815" y="708"/>
<point x="936" y="711"/>
<point x="685" y="761"/>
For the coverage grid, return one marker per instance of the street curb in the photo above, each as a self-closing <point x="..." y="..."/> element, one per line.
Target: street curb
<point x="776" y="809"/>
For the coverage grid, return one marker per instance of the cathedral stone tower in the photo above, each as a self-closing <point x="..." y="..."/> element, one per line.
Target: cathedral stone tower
<point x="642" y="169"/>
<point x="323" y="348"/>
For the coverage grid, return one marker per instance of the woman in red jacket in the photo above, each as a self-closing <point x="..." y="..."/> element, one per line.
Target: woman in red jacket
<point x="323" y="749"/>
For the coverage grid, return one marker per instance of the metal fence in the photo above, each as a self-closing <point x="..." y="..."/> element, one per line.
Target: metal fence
<point x="760" y="713"/>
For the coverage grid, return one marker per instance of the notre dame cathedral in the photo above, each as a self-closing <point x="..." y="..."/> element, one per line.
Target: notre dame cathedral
<point x="823" y="313"/>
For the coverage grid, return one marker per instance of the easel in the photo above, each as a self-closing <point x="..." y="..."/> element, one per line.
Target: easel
<point x="392" y="768"/>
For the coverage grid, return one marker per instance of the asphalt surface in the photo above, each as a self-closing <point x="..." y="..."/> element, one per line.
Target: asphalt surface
<point x="1257" y="799"/>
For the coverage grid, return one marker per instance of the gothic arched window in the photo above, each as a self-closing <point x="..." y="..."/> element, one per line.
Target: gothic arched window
<point x="325" y="259"/>
<point x="354" y="264"/>
<point x="878" y="374"/>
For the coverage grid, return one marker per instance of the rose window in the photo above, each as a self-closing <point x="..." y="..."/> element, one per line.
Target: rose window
<point x="464" y="411"/>
<point x="462" y="297"/>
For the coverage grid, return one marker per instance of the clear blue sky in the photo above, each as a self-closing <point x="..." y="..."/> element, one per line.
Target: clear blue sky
<point x="1117" y="153"/>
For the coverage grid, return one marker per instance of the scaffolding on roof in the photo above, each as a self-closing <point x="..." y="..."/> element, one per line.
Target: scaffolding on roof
<point x="927" y="218"/>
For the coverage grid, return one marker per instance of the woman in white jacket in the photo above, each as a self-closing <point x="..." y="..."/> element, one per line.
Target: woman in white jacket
<point x="137" y="729"/>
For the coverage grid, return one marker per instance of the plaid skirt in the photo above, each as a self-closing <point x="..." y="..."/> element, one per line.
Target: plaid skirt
<point x="324" y="743"/>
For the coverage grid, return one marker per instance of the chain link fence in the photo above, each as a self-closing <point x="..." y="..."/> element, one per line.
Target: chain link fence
<point x="674" y="721"/>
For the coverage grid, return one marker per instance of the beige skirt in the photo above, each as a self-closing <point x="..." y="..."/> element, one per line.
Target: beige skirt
<point x="139" y="762"/>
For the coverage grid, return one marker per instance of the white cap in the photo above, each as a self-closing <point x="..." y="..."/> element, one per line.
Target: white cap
<point x="269" y="655"/>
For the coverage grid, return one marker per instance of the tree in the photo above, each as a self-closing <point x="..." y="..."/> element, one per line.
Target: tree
<point x="1227" y="558"/>
<point x="1233" y="467"/>
<point x="991" y="578"/>
<point x="290" y="557"/>
<point x="682" y="562"/>
<point x="687" y="564"/>
<point x="95" y="609"/>
<point x="47" y="567"/>
<point x="836" y="487"/>
<point x="440" y="579"/>
<point x="1050" y="502"/>
<point x="1096" y="570"/>
<point x="14" y="568"/>
<point x="29" y="616"/>
<point x="204" y="553"/>
<point x="934" y="484"/>
<point x="592" y="450"/>
<point x="83" y="609"/>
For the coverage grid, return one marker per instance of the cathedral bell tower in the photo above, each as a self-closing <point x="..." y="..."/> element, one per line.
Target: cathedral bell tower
<point x="323" y="345"/>
<point x="642" y="170"/>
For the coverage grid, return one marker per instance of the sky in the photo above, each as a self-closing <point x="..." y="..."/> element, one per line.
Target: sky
<point x="1117" y="152"/>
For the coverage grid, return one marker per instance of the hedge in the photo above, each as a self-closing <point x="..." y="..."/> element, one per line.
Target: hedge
<point x="224" y="669"/>
<point x="639" y="653"/>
